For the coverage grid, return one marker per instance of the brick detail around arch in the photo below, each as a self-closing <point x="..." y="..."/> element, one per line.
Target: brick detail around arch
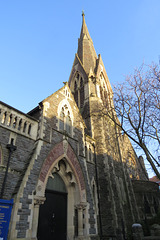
<point x="57" y="152"/>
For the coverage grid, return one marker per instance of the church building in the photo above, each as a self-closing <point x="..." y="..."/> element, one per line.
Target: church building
<point x="71" y="173"/>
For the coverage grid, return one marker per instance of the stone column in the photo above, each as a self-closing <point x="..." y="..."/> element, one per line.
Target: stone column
<point x="1" y="115"/>
<point x="80" y="220"/>
<point x="37" y="202"/>
<point x="80" y="208"/>
<point x="17" y="127"/>
<point x="22" y="125"/>
<point x="7" y="119"/>
<point x="12" y="120"/>
<point x="27" y="126"/>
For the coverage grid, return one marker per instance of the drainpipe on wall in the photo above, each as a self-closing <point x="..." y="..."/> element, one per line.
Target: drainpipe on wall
<point x="11" y="149"/>
<point x="98" y="194"/>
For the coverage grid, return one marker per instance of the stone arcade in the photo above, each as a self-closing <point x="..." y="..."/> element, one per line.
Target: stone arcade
<point x="70" y="176"/>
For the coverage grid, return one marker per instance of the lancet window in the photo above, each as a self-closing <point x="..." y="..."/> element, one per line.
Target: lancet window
<point x="79" y="90"/>
<point x="68" y="123"/>
<point x="81" y="93"/>
<point x="76" y="92"/>
<point x="65" y="121"/>
<point x="103" y="91"/>
<point x="88" y="153"/>
<point x="61" y="120"/>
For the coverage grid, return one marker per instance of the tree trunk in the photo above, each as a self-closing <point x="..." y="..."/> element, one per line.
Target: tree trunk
<point x="150" y="160"/>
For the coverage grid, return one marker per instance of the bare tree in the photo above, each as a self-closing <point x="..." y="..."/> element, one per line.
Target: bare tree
<point x="137" y="104"/>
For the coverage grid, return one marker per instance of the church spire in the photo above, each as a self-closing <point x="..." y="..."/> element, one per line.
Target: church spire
<point x="86" y="51"/>
<point x="84" y="29"/>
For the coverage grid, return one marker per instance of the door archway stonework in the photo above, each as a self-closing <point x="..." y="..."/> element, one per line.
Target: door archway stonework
<point x="62" y="160"/>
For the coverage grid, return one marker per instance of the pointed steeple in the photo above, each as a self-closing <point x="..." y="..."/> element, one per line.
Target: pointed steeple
<point x="84" y="29"/>
<point x="86" y="51"/>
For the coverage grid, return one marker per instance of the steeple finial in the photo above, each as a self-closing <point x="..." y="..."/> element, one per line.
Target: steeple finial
<point x="86" y="51"/>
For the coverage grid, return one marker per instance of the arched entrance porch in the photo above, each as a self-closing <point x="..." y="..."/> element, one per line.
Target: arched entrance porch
<point x="68" y="169"/>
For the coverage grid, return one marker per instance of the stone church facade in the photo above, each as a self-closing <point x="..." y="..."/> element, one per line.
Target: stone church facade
<point x="73" y="175"/>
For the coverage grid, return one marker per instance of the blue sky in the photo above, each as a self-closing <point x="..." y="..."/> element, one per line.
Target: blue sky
<point x="38" y="42"/>
<point x="39" y="39"/>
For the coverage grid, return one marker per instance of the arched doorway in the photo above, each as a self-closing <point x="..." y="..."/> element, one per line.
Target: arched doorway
<point x="67" y="166"/>
<point x="52" y="222"/>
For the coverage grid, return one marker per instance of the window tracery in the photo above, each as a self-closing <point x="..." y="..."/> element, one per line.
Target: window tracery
<point x="65" y="121"/>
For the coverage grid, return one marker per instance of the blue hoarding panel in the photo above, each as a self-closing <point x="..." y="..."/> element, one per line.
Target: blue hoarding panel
<point x="5" y="214"/>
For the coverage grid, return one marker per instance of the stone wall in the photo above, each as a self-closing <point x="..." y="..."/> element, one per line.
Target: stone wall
<point x="16" y="132"/>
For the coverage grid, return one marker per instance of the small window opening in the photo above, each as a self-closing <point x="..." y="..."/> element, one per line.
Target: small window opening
<point x="24" y="128"/>
<point x="20" y="125"/>
<point x="15" y="122"/>
<point x="29" y="129"/>
<point x="90" y="154"/>
<point x="9" y="120"/>
<point x="4" y="117"/>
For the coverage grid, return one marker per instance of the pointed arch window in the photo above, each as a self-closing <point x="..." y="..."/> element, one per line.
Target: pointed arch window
<point x="61" y="121"/>
<point x="56" y="183"/>
<point x="76" y="93"/>
<point x="79" y="90"/>
<point x="65" y="121"/>
<point x="90" y="154"/>
<point x="68" y="123"/>
<point x="81" y="93"/>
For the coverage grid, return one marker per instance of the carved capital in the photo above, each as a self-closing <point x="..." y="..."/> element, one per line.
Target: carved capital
<point x="81" y="205"/>
<point x="39" y="200"/>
